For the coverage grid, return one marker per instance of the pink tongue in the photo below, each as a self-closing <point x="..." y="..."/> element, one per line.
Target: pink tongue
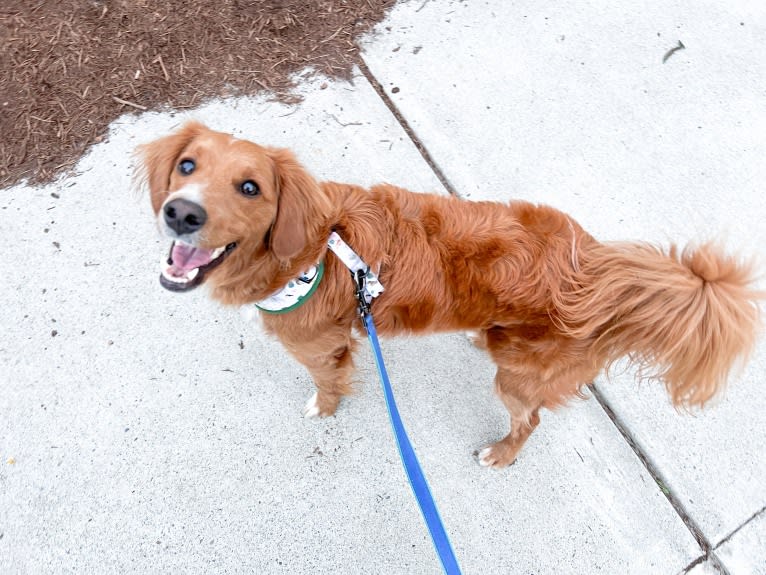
<point x="187" y="257"/>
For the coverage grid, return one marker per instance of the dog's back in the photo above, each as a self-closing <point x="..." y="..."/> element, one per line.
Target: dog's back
<point x="449" y="264"/>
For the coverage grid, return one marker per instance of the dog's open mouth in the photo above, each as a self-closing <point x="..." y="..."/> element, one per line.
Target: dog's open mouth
<point x="187" y="265"/>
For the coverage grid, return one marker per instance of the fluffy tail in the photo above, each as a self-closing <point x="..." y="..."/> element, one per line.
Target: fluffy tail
<point x="685" y="318"/>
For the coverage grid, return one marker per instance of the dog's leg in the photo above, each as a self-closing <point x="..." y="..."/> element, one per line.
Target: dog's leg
<point x="524" y="412"/>
<point x="536" y="368"/>
<point x="332" y="378"/>
<point x="330" y="362"/>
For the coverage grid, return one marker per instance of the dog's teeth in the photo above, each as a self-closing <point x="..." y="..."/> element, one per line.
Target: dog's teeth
<point x="174" y="279"/>
<point x="217" y="252"/>
<point x="190" y="275"/>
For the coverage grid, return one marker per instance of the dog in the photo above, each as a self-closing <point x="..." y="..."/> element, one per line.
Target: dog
<point x="552" y="306"/>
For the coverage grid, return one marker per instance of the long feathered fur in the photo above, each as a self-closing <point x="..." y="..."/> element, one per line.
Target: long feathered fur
<point x="684" y="317"/>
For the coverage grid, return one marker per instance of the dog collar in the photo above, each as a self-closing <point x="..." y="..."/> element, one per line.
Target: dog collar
<point x="295" y="293"/>
<point x="299" y="290"/>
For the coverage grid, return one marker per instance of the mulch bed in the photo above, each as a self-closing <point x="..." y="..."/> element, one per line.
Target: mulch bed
<point x="70" y="67"/>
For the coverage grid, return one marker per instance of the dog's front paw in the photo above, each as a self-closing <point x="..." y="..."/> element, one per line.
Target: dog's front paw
<point x="311" y="409"/>
<point x="319" y="406"/>
<point x="497" y="456"/>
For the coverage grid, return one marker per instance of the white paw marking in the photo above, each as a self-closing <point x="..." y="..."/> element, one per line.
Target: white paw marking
<point x="485" y="459"/>
<point x="311" y="409"/>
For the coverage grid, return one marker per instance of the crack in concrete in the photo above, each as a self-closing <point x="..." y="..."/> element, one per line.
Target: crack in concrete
<point x="406" y="127"/>
<point x="738" y="529"/>
<point x="654" y="472"/>
<point x="693" y="564"/>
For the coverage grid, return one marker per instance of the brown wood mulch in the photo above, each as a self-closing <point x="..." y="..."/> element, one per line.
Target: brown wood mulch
<point x="70" y="67"/>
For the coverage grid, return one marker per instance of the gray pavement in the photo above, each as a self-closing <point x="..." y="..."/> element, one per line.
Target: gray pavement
<point x="147" y="432"/>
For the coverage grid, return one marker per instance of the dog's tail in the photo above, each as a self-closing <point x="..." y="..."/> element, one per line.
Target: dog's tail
<point x="685" y="317"/>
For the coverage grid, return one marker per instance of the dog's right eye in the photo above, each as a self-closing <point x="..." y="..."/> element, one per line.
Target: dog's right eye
<point x="186" y="167"/>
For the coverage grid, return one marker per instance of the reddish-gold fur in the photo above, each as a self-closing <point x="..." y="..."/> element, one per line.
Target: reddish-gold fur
<point x="552" y="306"/>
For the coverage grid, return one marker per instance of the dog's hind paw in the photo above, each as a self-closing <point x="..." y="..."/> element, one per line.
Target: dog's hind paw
<point x="496" y="456"/>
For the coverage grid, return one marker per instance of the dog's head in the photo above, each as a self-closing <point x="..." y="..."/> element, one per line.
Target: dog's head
<point x="220" y="198"/>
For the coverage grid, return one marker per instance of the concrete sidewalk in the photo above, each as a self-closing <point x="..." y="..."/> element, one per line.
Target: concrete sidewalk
<point x="147" y="432"/>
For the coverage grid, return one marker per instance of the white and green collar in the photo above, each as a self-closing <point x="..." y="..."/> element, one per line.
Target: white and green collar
<point x="295" y="293"/>
<point x="299" y="290"/>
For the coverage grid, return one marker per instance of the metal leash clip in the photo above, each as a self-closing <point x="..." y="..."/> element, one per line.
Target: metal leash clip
<point x="360" y="279"/>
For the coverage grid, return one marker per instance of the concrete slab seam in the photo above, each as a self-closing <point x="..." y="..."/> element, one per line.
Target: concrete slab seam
<point x="749" y="520"/>
<point x="701" y="559"/>
<point x="691" y="525"/>
<point x="406" y="127"/>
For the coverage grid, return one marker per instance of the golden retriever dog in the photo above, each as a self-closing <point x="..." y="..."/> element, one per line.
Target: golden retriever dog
<point x="552" y="306"/>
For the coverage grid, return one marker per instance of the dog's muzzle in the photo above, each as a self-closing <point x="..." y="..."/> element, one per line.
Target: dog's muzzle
<point x="187" y="263"/>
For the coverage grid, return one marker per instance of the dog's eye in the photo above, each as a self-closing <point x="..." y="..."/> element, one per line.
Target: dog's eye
<point x="186" y="167"/>
<point x="249" y="188"/>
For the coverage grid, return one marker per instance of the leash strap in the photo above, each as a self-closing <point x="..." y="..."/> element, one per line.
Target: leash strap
<point x="368" y="287"/>
<point x="411" y="466"/>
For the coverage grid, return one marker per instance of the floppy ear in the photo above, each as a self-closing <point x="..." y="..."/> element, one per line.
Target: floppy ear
<point x="303" y="209"/>
<point x="157" y="160"/>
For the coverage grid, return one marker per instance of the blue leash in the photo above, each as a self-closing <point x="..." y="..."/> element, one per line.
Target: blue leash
<point x="409" y="459"/>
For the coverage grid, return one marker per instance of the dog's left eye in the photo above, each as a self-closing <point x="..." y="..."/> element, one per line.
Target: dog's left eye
<point x="249" y="188"/>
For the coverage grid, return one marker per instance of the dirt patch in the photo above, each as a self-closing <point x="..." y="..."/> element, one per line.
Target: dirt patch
<point x="70" y="67"/>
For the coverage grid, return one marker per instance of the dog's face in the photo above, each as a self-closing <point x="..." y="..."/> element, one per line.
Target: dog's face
<point x="215" y="195"/>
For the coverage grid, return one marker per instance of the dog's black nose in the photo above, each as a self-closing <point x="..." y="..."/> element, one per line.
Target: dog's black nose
<point x="183" y="216"/>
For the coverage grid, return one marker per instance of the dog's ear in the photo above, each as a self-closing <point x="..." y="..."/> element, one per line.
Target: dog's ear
<point x="303" y="210"/>
<point x="157" y="159"/>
